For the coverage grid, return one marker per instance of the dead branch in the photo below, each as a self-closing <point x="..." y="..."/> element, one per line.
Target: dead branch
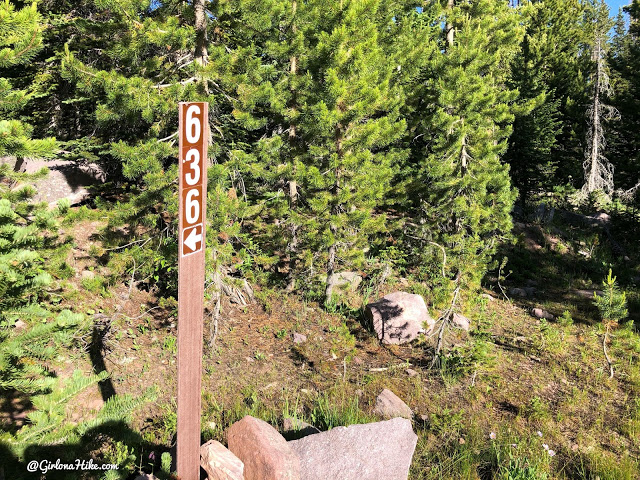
<point x="606" y="354"/>
<point x="444" y="320"/>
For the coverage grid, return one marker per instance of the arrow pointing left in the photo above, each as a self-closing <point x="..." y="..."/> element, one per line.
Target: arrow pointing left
<point x="193" y="239"/>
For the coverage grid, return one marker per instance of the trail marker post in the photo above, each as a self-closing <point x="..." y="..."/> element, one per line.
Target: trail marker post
<point x="192" y="159"/>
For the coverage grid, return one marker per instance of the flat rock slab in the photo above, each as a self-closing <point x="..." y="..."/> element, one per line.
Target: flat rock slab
<point x="399" y="317"/>
<point x="220" y="463"/>
<point x="389" y="405"/>
<point x="373" y="451"/>
<point x="66" y="179"/>
<point x="265" y="453"/>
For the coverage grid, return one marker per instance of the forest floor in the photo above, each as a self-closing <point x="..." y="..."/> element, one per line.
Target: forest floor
<point x="530" y="383"/>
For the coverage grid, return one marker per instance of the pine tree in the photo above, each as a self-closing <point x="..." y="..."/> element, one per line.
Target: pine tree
<point x="20" y="40"/>
<point x="170" y="52"/>
<point x="624" y="58"/>
<point x="561" y="42"/>
<point x="463" y="197"/>
<point x="350" y="122"/>
<point x="323" y="113"/>
<point x="536" y="125"/>
<point x="268" y="95"/>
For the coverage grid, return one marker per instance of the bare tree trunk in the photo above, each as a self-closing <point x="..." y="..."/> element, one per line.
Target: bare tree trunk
<point x="598" y="171"/>
<point x="449" y="26"/>
<point x="201" y="54"/>
<point x="592" y="183"/>
<point x="293" y="186"/>
<point x="464" y="157"/>
<point x="335" y="209"/>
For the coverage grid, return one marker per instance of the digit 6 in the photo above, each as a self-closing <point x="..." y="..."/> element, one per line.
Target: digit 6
<point x="193" y="124"/>
<point x="192" y="206"/>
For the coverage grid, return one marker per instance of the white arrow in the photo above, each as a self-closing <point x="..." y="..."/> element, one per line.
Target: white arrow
<point x="193" y="239"/>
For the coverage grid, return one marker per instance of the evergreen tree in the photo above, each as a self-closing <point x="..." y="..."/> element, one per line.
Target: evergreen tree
<point x="319" y="98"/>
<point x="268" y="93"/>
<point x="162" y="55"/>
<point x="20" y="40"/>
<point x="624" y="58"/>
<point x="461" y="188"/>
<point x="556" y="28"/>
<point x="536" y="125"/>
<point x="350" y="121"/>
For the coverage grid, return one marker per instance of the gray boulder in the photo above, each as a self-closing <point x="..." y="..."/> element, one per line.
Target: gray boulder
<point x="399" y="317"/>
<point x="389" y="405"/>
<point x="373" y="451"/>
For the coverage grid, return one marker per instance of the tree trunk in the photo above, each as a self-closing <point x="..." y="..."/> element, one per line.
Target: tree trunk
<point x="201" y="54"/>
<point x="293" y="186"/>
<point x="450" y="30"/>
<point x="592" y="182"/>
<point x="335" y="209"/>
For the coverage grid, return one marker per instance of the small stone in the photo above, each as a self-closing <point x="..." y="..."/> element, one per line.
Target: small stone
<point x="517" y="292"/>
<point x="357" y="360"/>
<point x="389" y="405"/>
<point x="359" y="393"/>
<point x="299" y="337"/>
<point x="298" y="427"/>
<point x="461" y="441"/>
<point x="574" y="447"/>
<point x="461" y="321"/>
<point x="411" y="372"/>
<point x="539" y="313"/>
<point x="220" y="463"/>
<point x="265" y="453"/>
<point x="88" y="275"/>
<point x="488" y="297"/>
<point x="20" y="325"/>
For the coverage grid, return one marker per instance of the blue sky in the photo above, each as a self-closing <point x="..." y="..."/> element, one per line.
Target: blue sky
<point x="614" y="5"/>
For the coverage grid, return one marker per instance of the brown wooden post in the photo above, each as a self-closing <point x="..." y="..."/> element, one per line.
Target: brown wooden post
<point x="192" y="161"/>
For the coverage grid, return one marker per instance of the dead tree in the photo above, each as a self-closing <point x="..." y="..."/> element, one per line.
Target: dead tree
<point x="598" y="171"/>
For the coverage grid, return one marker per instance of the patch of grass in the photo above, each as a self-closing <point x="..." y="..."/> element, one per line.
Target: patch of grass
<point x="97" y="285"/>
<point x="536" y="409"/>
<point x="170" y="344"/>
<point x="336" y="410"/>
<point x="597" y="464"/>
